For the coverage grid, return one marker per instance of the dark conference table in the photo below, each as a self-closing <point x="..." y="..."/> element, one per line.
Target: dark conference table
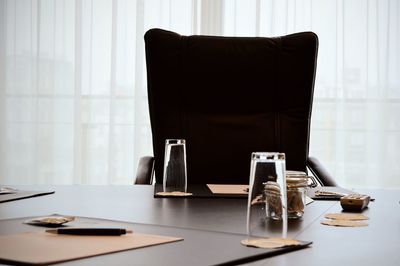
<point x="378" y="243"/>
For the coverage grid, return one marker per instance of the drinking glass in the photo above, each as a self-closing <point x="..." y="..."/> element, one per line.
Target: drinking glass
<point x="174" y="179"/>
<point x="266" y="208"/>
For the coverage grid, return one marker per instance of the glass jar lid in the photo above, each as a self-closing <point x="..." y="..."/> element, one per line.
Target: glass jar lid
<point x="296" y="182"/>
<point x="290" y="173"/>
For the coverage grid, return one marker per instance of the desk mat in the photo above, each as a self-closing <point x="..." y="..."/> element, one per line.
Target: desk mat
<point x="41" y="248"/>
<point x="199" y="247"/>
<point x="200" y="191"/>
<point x="21" y="194"/>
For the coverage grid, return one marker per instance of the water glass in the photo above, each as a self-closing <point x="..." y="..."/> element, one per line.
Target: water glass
<point x="266" y="208"/>
<point x="174" y="178"/>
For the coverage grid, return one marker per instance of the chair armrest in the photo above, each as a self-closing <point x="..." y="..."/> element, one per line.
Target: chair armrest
<point x="144" y="172"/>
<point x="320" y="173"/>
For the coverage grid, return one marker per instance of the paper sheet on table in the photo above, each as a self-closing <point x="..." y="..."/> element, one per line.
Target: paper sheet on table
<point x="237" y="189"/>
<point x="228" y="189"/>
<point x="46" y="248"/>
<point x="309" y="200"/>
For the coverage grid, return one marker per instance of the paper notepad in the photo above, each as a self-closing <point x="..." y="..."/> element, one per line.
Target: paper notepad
<point x="237" y="189"/>
<point x="228" y="189"/>
<point x="45" y="248"/>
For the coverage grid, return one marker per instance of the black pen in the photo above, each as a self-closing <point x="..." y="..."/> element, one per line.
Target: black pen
<point x="90" y="231"/>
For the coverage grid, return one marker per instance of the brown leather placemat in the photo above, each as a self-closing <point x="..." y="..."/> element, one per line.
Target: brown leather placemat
<point x="21" y="194"/>
<point x="46" y="248"/>
<point x="200" y="247"/>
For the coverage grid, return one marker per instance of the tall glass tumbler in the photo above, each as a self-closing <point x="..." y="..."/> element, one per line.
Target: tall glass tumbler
<point x="266" y="208"/>
<point x="174" y="178"/>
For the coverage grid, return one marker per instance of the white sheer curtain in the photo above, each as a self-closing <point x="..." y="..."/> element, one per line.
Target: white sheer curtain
<point x="356" y="121"/>
<point x="73" y="87"/>
<point x="73" y="103"/>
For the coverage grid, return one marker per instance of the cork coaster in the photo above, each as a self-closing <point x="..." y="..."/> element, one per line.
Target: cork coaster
<point x="50" y="220"/>
<point x="273" y="242"/>
<point x="344" y="223"/>
<point x="174" y="194"/>
<point x="346" y="216"/>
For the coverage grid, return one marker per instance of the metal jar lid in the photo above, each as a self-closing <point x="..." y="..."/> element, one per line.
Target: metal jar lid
<point x="290" y="173"/>
<point x="296" y="179"/>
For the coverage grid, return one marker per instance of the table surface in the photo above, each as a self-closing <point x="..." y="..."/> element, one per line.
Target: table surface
<point x="372" y="245"/>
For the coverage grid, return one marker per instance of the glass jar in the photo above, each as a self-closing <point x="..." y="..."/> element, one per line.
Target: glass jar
<point x="296" y="183"/>
<point x="273" y="200"/>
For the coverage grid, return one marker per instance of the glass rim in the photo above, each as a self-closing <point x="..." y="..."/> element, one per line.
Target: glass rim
<point x="261" y="155"/>
<point x="175" y="141"/>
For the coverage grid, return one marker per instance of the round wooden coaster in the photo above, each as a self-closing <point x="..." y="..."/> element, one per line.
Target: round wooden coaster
<point x="346" y="216"/>
<point x="174" y="193"/>
<point x="344" y="223"/>
<point x="50" y="220"/>
<point x="274" y="242"/>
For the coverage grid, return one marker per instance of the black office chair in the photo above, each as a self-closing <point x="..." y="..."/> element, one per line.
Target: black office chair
<point x="229" y="97"/>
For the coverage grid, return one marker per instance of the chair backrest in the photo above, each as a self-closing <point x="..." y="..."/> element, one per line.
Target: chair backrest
<point x="144" y="172"/>
<point x="229" y="97"/>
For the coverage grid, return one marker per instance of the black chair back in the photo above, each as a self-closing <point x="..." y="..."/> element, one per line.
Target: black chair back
<point x="229" y="97"/>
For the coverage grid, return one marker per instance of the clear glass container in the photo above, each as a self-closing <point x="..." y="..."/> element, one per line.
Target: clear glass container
<point x="296" y="194"/>
<point x="266" y="208"/>
<point x="175" y="177"/>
